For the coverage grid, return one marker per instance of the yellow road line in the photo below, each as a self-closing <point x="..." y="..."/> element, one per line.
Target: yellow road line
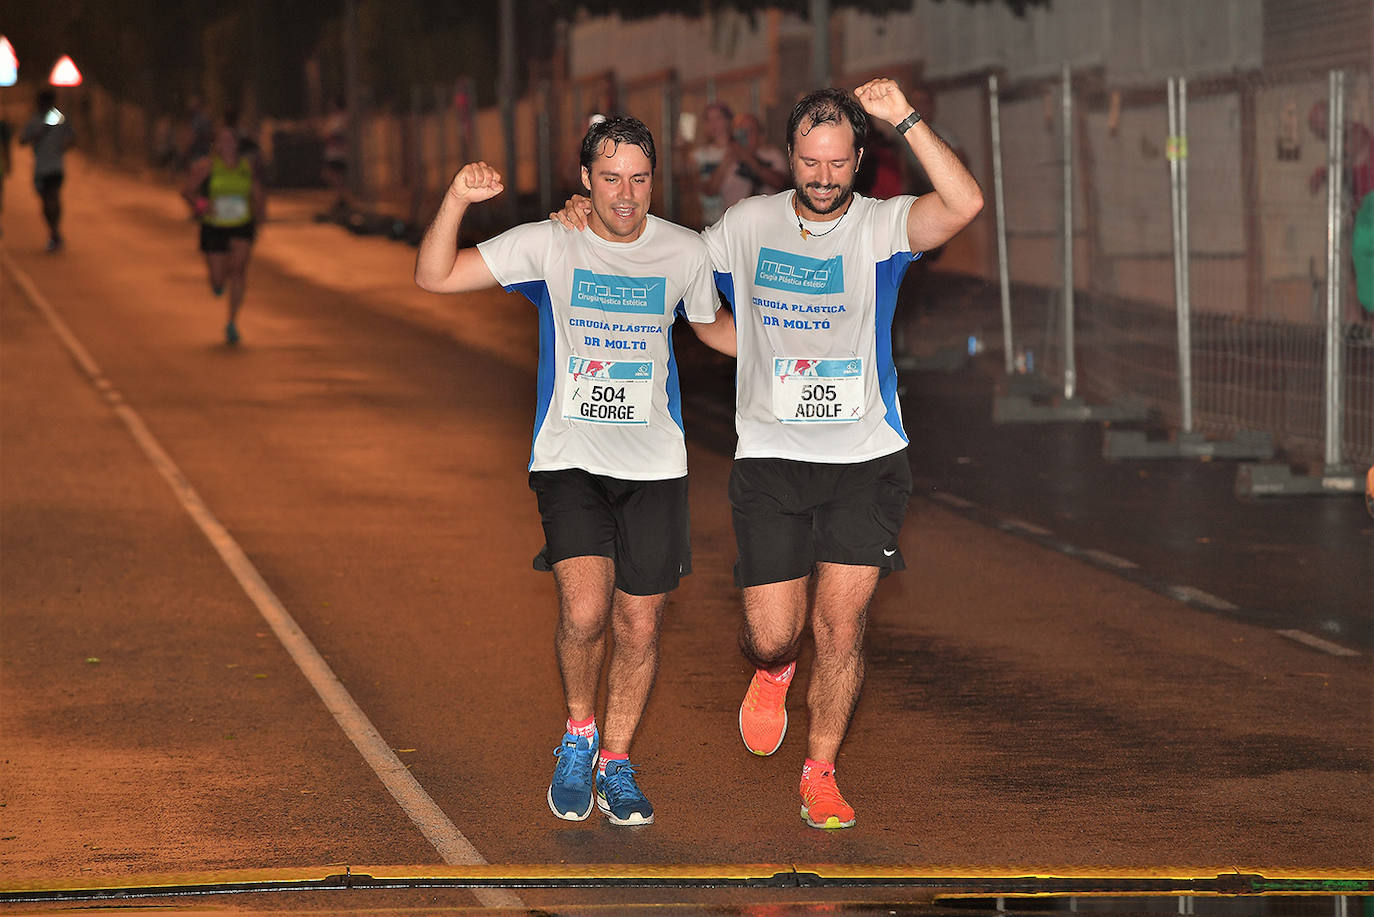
<point x="952" y="881"/>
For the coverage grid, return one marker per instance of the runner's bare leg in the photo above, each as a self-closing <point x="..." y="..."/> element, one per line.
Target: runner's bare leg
<point x="239" y="252"/>
<point x="635" y="621"/>
<point x="774" y="618"/>
<point x="838" y="621"/>
<point x="585" y="586"/>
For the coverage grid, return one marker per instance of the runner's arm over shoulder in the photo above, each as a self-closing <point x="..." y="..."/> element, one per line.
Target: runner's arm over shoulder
<point x="713" y="323"/>
<point x="574" y="213"/>
<point x="441" y="266"/>
<point x="718" y="334"/>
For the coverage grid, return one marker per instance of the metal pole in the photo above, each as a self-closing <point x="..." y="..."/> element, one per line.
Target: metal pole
<point x="507" y="92"/>
<point x="441" y="115"/>
<point x="820" y="43"/>
<point x="1003" y="273"/>
<point x="669" y="129"/>
<point x="1185" y="326"/>
<point x="419" y="180"/>
<point x="545" y="141"/>
<point x="1335" y="167"/>
<point x="357" y="167"/>
<point x="1066" y="113"/>
<point x="1178" y="194"/>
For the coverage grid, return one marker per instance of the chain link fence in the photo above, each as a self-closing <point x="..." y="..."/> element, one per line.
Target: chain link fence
<point x="1255" y="163"/>
<point x="1254" y="157"/>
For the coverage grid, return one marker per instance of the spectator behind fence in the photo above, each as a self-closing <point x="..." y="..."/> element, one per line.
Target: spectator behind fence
<point x="715" y="179"/>
<point x="1358" y="188"/>
<point x="200" y="133"/>
<point x="757" y="160"/>
<point x="335" y="166"/>
<point x="880" y="170"/>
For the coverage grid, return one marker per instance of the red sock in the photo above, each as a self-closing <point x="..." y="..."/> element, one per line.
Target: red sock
<point x="814" y="768"/>
<point x="585" y="727"/>
<point x="608" y="756"/>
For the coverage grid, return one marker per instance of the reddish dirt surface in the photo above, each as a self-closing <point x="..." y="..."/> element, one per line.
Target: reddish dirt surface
<point x="366" y="447"/>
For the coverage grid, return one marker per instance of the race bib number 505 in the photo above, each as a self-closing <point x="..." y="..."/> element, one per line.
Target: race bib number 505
<point x="608" y="391"/>
<point x="818" y="390"/>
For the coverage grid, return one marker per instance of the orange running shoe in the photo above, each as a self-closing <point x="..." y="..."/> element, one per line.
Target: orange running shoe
<point x="822" y="804"/>
<point x="763" y="715"/>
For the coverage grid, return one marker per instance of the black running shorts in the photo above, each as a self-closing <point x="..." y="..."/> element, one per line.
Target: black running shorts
<point x="215" y="239"/>
<point x="788" y="515"/>
<point x="47" y="184"/>
<point x="641" y="525"/>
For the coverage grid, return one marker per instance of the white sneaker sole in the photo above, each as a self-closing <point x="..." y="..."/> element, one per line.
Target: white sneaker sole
<point x="634" y="819"/>
<point x="762" y="754"/>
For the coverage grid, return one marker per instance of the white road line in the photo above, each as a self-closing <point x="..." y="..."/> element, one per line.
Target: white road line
<point x="1110" y="560"/>
<point x="1317" y="643"/>
<point x="1020" y="525"/>
<point x="949" y="498"/>
<point x="1192" y="594"/>
<point x="404" y="788"/>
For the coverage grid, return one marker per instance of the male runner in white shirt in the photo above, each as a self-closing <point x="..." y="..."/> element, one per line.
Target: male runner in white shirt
<point x="821" y="481"/>
<point x="608" y="462"/>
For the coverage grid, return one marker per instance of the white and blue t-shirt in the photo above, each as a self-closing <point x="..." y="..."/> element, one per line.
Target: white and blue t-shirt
<point x="608" y="399"/>
<point x="815" y="378"/>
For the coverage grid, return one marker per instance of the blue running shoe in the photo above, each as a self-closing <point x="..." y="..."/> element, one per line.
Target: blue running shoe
<point x="619" y="797"/>
<point x="231" y="334"/>
<point x="570" y="793"/>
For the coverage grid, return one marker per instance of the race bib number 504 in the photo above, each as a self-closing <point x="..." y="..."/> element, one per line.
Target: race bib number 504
<point x="608" y="391"/>
<point x="818" y="390"/>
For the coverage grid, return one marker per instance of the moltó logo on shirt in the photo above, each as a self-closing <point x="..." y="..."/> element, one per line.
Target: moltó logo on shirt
<point x="798" y="273"/>
<point x="613" y="293"/>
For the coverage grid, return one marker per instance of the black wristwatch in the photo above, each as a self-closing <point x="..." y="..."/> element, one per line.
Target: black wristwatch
<point x="908" y="122"/>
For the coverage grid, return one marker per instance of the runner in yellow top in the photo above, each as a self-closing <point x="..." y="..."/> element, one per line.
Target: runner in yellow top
<point x="226" y="194"/>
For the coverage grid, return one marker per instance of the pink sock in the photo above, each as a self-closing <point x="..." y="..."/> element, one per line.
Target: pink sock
<point x="814" y="768"/>
<point x="608" y="756"/>
<point x="782" y="678"/>
<point x="585" y="727"/>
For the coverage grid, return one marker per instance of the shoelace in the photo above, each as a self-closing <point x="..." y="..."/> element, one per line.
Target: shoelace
<point x="622" y="782"/>
<point x="765" y="693"/>
<point x="573" y="764"/>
